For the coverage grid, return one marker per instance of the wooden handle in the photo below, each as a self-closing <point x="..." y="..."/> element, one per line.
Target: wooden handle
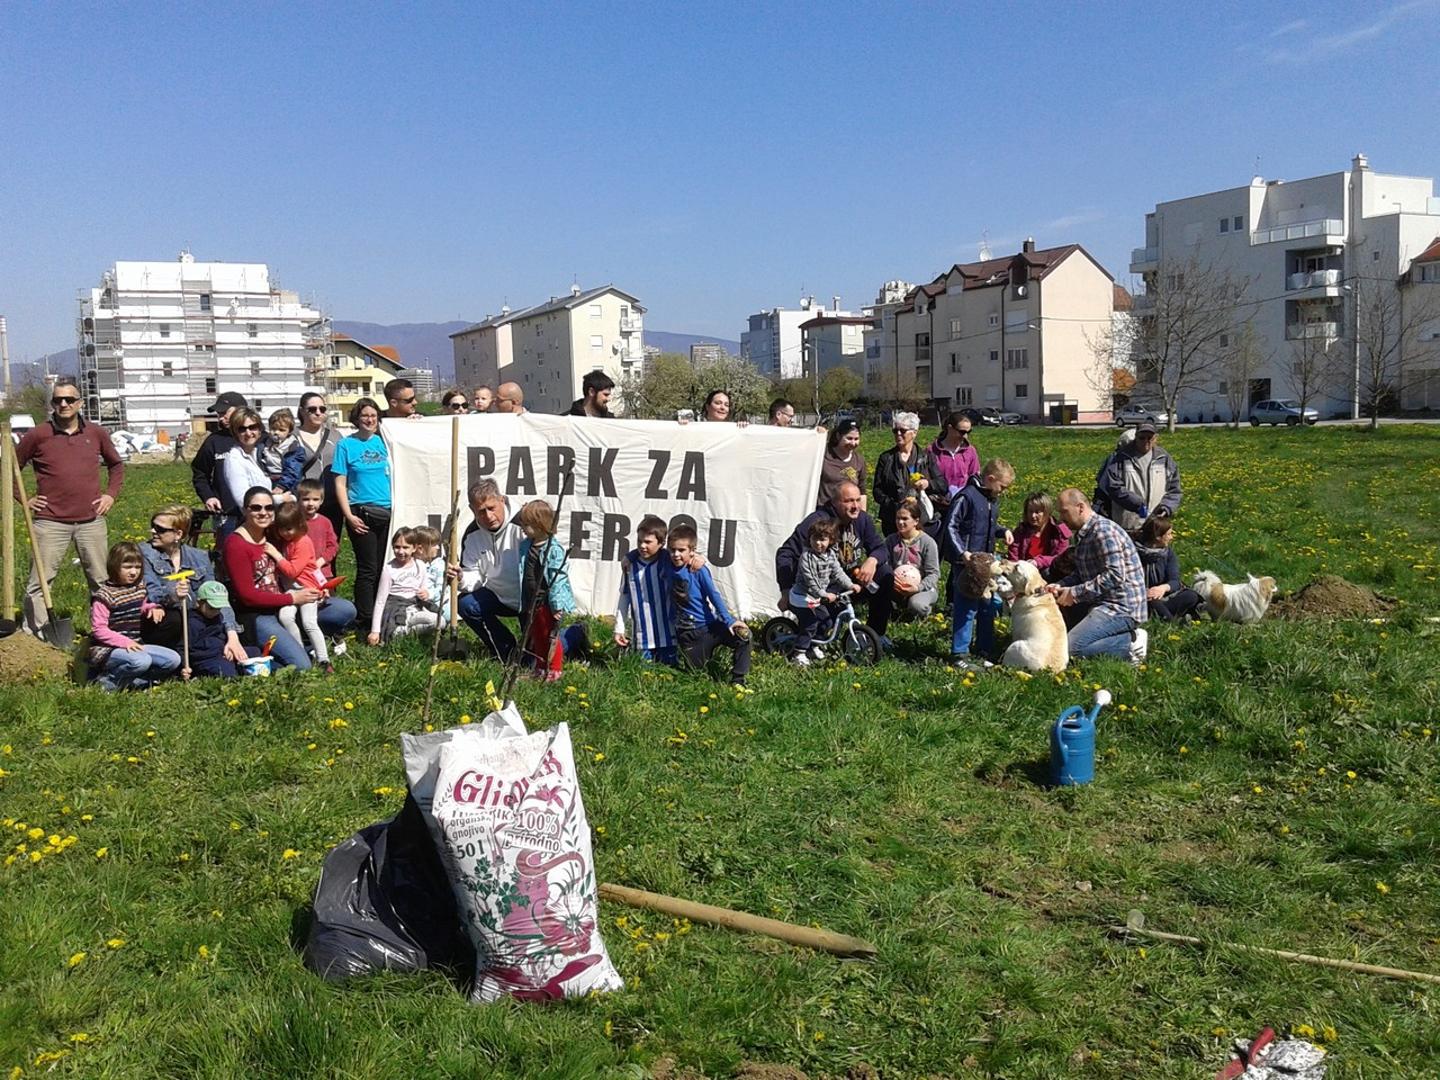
<point x="30" y="532"/>
<point x="454" y="516"/>
<point x="7" y="527"/>
<point x="808" y="936"/>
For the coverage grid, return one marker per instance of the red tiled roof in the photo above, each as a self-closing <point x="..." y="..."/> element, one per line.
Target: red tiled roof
<point x="1123" y="300"/>
<point x="838" y="320"/>
<point x="1430" y="254"/>
<point x="388" y="351"/>
<point x="992" y="272"/>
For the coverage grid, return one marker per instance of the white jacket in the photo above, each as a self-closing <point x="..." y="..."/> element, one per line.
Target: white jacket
<point x="492" y="560"/>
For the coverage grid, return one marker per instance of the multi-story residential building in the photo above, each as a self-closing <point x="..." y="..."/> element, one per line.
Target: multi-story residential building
<point x="354" y="370"/>
<point x="549" y="348"/>
<point x="423" y="381"/>
<point x="879" y="337"/>
<point x="1303" y="248"/>
<point x="829" y="341"/>
<point x="1420" y="313"/>
<point x="706" y="352"/>
<point x="1013" y="333"/>
<point x="772" y="342"/>
<point x="158" y="341"/>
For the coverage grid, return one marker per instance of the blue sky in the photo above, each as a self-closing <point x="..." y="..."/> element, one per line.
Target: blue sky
<point x="431" y="162"/>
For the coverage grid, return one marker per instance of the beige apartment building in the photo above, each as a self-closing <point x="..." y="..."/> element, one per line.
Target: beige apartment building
<point x="549" y="348"/>
<point x="1012" y="333"/>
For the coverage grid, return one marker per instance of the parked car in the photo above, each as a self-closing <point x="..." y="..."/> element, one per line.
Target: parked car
<point x="1013" y="418"/>
<point x="987" y="415"/>
<point x="1134" y="415"/>
<point x="1274" y="411"/>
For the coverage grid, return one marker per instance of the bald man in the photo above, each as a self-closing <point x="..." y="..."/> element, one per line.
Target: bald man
<point x="509" y="398"/>
<point x="1108" y="580"/>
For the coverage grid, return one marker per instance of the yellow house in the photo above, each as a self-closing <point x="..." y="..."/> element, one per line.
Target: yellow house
<point x="357" y="371"/>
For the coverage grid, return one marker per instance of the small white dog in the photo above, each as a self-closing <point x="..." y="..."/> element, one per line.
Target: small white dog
<point x="1038" y="638"/>
<point x="1234" y="603"/>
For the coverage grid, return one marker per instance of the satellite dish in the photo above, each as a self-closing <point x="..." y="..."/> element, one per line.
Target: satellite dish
<point x="1020" y="291"/>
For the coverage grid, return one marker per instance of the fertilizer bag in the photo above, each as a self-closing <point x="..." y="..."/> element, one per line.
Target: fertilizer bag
<point x="517" y="846"/>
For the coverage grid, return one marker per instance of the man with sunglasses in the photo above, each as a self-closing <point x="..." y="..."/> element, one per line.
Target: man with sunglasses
<point x="319" y="439"/>
<point x="68" y="504"/>
<point x="402" y="401"/>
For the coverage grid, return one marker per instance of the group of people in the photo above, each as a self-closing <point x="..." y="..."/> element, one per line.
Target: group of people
<point x="280" y="490"/>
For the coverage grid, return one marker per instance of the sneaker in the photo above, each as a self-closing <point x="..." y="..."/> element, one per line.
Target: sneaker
<point x="886" y="644"/>
<point x="328" y="668"/>
<point x="800" y="660"/>
<point x="1139" y="646"/>
<point x="817" y="653"/>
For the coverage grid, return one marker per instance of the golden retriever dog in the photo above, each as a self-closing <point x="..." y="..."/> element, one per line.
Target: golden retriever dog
<point x="1038" y="638"/>
<point x="1234" y="603"/>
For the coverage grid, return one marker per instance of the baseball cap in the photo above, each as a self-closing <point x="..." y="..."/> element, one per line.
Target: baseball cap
<point x="1146" y="428"/>
<point x="227" y="401"/>
<point x="214" y="594"/>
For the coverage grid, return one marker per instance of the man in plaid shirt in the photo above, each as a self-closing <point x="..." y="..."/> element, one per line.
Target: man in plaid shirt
<point x="1108" y="579"/>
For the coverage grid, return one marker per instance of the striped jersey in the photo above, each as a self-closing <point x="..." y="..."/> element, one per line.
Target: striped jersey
<point x="645" y="600"/>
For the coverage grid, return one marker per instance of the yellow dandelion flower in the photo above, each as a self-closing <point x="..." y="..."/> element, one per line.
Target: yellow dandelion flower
<point x="704" y="709"/>
<point x="1304" y="1031"/>
<point x="100" y="853"/>
<point x="115" y="943"/>
<point x="79" y="1037"/>
<point x="233" y="702"/>
<point x="349" y="706"/>
<point x="1184" y="749"/>
<point x="1349" y="774"/>
<point x="1329" y="1034"/>
<point x="465" y="719"/>
<point x="599" y="757"/>
<point x="338" y="723"/>
<point x="1382" y="888"/>
<point x="289" y="853"/>
<point x="76" y="959"/>
<point x="203" y="952"/>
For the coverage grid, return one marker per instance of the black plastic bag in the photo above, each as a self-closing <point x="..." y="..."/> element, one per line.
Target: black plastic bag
<point x="384" y="903"/>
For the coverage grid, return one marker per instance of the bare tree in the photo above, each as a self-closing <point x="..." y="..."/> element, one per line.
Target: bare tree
<point x="1315" y="364"/>
<point x="901" y="390"/>
<point x="1238" y="366"/>
<point x="1390" y="328"/>
<point x="1175" y="330"/>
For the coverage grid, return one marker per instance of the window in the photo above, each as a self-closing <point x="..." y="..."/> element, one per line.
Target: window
<point x="254" y="369"/>
<point x="209" y="386"/>
<point x="1374" y="256"/>
<point x="922" y="348"/>
<point x="1022" y="390"/>
<point x="964" y="395"/>
<point x="597" y="342"/>
<point x="1224" y="224"/>
<point x="595" y="311"/>
<point x="1238" y="225"/>
<point x="1224" y="341"/>
<point x="954" y="364"/>
<point x="204" y="301"/>
<point x="1224" y="387"/>
<point x="1174" y="281"/>
<point x="167" y="368"/>
<point x="164" y="329"/>
<point x="992" y="392"/>
<point x="1430" y="272"/>
<point x="1017" y="359"/>
<point x="994" y="356"/>
<point x="994" y="319"/>
<point x="624" y="311"/>
<point x="1017" y="320"/>
<point x="954" y="328"/>
<point x="252" y="329"/>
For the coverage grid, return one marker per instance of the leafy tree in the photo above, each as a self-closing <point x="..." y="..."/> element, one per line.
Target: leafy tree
<point x="838" y="387"/>
<point x="669" y="382"/>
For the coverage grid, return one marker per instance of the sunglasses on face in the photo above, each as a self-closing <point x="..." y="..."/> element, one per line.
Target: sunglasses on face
<point x="261" y="508"/>
<point x="317" y="408"/>
<point x="251" y="427"/>
<point x="64" y="400"/>
<point x="406" y="400"/>
<point x="457" y="405"/>
<point x="156" y="527"/>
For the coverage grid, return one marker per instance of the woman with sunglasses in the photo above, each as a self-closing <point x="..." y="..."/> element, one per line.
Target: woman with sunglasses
<point x="255" y="582"/>
<point x="905" y="471"/>
<point x="168" y="554"/>
<point x="319" y="440"/>
<point x="239" y="468"/>
<point x="454" y="403"/>
<point x="362" y="488"/>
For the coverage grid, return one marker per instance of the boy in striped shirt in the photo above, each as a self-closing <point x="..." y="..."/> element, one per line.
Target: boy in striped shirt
<point x="646" y="583"/>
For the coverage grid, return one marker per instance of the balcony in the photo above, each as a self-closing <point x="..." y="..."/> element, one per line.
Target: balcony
<point x="631" y="326"/>
<point x="1329" y="231"/>
<point x="1142" y="304"/>
<point x="1144" y="259"/>
<point x="1315" y="284"/>
<point x="1311" y="330"/>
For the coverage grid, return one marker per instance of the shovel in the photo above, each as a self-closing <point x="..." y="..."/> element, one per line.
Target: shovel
<point x="58" y="631"/>
<point x="452" y="648"/>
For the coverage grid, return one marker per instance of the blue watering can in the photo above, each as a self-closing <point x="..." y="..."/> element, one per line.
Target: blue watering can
<point x="1072" y="743"/>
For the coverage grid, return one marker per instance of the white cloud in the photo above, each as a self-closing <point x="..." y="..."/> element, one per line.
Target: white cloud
<point x="1319" y="46"/>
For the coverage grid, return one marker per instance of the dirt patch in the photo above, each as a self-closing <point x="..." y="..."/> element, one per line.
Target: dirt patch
<point x="1331" y="597"/>
<point x="757" y="1070"/>
<point x="27" y="659"/>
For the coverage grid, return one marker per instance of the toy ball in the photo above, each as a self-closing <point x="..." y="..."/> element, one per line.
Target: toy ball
<point x="908" y="575"/>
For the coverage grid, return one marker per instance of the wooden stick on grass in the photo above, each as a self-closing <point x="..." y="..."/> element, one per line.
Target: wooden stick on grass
<point x="1135" y="926"/>
<point x="808" y="936"/>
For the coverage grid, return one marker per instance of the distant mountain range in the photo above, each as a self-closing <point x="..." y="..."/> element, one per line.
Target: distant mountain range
<point x="418" y="341"/>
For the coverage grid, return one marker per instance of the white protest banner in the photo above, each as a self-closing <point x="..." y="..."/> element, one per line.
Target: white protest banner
<point x="744" y="488"/>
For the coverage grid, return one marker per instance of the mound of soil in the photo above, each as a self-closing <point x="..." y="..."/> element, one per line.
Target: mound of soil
<point x="1331" y="597"/>
<point x="27" y="659"/>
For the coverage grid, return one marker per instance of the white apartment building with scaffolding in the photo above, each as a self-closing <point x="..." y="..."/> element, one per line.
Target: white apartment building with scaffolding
<point x="1302" y="246"/>
<point x="158" y="341"/>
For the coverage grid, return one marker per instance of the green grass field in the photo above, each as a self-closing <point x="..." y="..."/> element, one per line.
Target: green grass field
<point x="1273" y="785"/>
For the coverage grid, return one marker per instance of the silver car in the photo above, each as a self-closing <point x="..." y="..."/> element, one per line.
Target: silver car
<point x="1274" y="411"/>
<point x="1132" y="415"/>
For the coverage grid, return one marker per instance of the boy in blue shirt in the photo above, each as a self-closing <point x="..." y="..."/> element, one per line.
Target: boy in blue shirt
<point x="702" y="621"/>
<point x="647" y="580"/>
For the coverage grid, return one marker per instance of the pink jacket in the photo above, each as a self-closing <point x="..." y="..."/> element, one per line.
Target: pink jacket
<point x="1040" y="546"/>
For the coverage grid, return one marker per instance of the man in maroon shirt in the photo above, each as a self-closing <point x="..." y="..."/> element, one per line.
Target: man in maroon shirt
<point x="69" y="506"/>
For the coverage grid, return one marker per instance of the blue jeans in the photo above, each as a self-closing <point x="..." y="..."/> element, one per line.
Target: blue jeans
<point x="975" y="617"/>
<point x="665" y="654"/>
<point x="481" y="611"/>
<point x="1102" y="632"/>
<point x="124" y="669"/>
<point x="286" y="649"/>
<point x="335" y="616"/>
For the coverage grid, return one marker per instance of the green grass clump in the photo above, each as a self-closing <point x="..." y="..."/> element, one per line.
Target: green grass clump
<point x="1272" y="785"/>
